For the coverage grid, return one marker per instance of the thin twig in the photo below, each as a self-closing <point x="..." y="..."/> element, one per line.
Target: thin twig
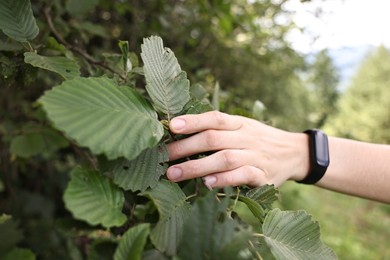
<point x="76" y="49"/>
<point x="84" y="155"/>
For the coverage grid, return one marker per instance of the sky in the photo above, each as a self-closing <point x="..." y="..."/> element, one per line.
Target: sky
<point x="344" y="24"/>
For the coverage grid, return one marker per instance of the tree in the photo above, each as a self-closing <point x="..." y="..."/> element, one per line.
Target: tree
<point x="324" y="80"/>
<point x="364" y="107"/>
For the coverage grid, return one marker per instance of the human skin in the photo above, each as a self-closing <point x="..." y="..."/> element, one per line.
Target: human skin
<point x="249" y="152"/>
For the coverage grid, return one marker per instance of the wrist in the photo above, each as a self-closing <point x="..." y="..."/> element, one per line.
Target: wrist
<point x="302" y="156"/>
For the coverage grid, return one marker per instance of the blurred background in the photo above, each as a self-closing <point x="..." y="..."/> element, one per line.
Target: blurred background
<point x="292" y="64"/>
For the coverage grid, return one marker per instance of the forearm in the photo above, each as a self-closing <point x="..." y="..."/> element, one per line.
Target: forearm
<point x="248" y="152"/>
<point x="359" y="169"/>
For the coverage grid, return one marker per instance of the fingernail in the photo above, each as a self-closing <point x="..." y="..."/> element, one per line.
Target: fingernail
<point x="177" y="123"/>
<point x="174" y="173"/>
<point x="209" y="181"/>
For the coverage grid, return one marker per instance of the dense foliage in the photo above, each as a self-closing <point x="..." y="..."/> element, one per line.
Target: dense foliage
<point x="364" y="109"/>
<point x="84" y="128"/>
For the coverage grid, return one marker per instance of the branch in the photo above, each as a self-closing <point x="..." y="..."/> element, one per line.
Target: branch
<point x="76" y="49"/>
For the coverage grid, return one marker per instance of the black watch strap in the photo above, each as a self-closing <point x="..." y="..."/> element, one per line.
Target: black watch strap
<point x="319" y="156"/>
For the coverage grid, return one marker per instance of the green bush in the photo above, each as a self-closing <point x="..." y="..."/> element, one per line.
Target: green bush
<point x="83" y="163"/>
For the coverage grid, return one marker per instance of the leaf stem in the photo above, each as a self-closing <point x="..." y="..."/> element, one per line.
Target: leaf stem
<point x="231" y="208"/>
<point x="253" y="247"/>
<point x="191" y="196"/>
<point x="258" y="235"/>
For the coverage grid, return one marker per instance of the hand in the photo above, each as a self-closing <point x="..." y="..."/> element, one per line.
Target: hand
<point x="246" y="151"/>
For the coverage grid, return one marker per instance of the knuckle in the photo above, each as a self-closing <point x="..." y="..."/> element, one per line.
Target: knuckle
<point x="230" y="180"/>
<point x="176" y="149"/>
<point x="254" y="176"/>
<point x="248" y="171"/>
<point x="212" y="139"/>
<point x="226" y="179"/>
<point x="230" y="159"/>
<point x="220" y="118"/>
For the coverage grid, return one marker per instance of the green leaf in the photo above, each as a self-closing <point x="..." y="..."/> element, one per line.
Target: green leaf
<point x="264" y="195"/>
<point x="124" y="46"/>
<point x="197" y="107"/>
<point x="254" y="207"/>
<point x="132" y="243"/>
<point x="10" y="235"/>
<point x="238" y="246"/>
<point x="210" y="234"/>
<point x="167" y="84"/>
<point x="63" y="66"/>
<point x="154" y="254"/>
<point x="294" y="235"/>
<point x="31" y="144"/>
<point x="92" y="197"/>
<point x="216" y="94"/>
<point x="27" y="145"/>
<point x="142" y="172"/>
<point x="173" y="210"/>
<point x="259" y="200"/>
<point x="10" y="46"/>
<point x="199" y="92"/>
<point x="100" y="249"/>
<point x="92" y="28"/>
<point x="78" y="8"/>
<point x="4" y="218"/>
<point x="108" y="119"/>
<point x="19" y="253"/>
<point x="17" y="20"/>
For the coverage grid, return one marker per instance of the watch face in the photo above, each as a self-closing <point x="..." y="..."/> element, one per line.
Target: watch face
<point x="321" y="149"/>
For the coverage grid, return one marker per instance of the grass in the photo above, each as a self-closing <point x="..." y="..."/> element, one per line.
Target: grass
<point x="354" y="228"/>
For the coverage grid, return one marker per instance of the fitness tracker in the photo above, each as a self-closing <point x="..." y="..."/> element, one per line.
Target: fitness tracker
<point x="319" y="156"/>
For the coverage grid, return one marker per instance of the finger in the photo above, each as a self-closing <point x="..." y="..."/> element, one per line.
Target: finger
<point x="209" y="140"/>
<point x="221" y="161"/>
<point x="245" y="175"/>
<point x="189" y="124"/>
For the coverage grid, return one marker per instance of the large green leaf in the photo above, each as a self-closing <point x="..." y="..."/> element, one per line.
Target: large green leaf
<point x="142" y="172"/>
<point x="264" y="195"/>
<point x="173" y="210"/>
<point x="34" y="143"/>
<point x="210" y="234"/>
<point x="10" y="235"/>
<point x="108" y="119"/>
<point x="67" y="68"/>
<point x="19" y="253"/>
<point x="167" y="84"/>
<point x="92" y="197"/>
<point x="17" y="20"/>
<point x="294" y="235"/>
<point x="132" y="243"/>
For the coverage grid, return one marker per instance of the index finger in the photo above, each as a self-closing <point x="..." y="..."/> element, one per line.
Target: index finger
<point x="189" y="124"/>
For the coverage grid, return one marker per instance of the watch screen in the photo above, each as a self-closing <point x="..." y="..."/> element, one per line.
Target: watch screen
<point x="321" y="149"/>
